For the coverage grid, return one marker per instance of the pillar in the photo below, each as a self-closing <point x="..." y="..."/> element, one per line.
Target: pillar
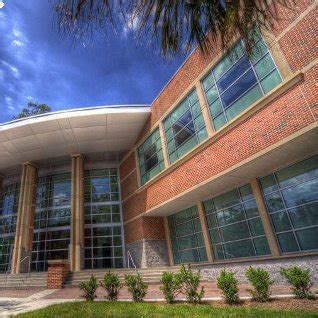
<point x="163" y="145"/>
<point x="268" y="228"/>
<point x="204" y="109"/>
<point x="77" y="214"/>
<point x="205" y="232"/>
<point x="21" y="256"/>
<point x="168" y="240"/>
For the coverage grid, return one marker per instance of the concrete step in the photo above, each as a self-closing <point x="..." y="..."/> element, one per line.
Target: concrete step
<point x="23" y="281"/>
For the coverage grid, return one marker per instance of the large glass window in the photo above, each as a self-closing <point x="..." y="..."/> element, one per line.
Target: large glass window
<point x="9" y="201"/>
<point x="291" y="197"/>
<point x="184" y="127"/>
<point x="103" y="224"/>
<point x="150" y="157"/>
<point x="186" y="237"/>
<point x="238" y="81"/>
<point x="234" y="225"/>
<point x="51" y="237"/>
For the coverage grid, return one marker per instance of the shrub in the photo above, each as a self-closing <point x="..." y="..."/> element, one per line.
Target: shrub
<point x="261" y="282"/>
<point x="228" y="284"/>
<point x="190" y="284"/>
<point x="89" y="287"/>
<point x="112" y="286"/>
<point x="171" y="285"/>
<point x="136" y="286"/>
<point x="300" y="280"/>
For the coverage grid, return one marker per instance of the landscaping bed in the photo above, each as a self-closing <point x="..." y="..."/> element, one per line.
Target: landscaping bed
<point x="276" y="308"/>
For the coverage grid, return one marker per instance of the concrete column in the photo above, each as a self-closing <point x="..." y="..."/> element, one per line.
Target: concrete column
<point x="204" y="109"/>
<point x="21" y="256"/>
<point x="205" y="232"/>
<point x="268" y="229"/>
<point x="77" y="214"/>
<point x="164" y="145"/>
<point x="168" y="239"/>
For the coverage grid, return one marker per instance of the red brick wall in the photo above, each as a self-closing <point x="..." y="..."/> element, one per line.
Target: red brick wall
<point x="56" y="275"/>
<point x="144" y="228"/>
<point x="292" y="111"/>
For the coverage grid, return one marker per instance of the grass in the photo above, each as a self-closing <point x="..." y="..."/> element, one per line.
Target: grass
<point x="151" y="310"/>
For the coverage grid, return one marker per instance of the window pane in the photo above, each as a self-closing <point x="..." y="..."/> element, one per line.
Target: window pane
<point x="271" y="81"/>
<point x="281" y="221"/>
<point x="235" y="231"/>
<point x="219" y="122"/>
<point x="306" y="215"/>
<point x="264" y="66"/>
<point x="239" y="88"/>
<point x="239" y="249"/>
<point x="274" y="202"/>
<point x="287" y="242"/>
<point x="256" y="226"/>
<point x="261" y="246"/>
<point x="308" y="239"/>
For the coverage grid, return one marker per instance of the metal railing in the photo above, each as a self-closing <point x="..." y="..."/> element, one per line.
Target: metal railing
<point x="8" y="272"/>
<point x="130" y="260"/>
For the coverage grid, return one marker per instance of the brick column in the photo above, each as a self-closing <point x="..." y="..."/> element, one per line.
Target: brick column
<point x="25" y="220"/>
<point x="205" y="233"/>
<point x="268" y="229"/>
<point x="57" y="273"/>
<point x="204" y="109"/>
<point x="77" y="214"/>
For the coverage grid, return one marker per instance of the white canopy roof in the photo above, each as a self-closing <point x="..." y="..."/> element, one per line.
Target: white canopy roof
<point x="111" y="129"/>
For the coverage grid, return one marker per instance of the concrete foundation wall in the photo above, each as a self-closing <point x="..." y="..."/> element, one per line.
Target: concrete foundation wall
<point x="149" y="253"/>
<point x="211" y="272"/>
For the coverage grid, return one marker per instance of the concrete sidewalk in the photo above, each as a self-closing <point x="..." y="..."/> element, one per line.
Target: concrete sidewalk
<point x="13" y="302"/>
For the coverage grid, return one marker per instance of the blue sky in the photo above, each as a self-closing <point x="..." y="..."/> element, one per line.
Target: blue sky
<point x="38" y="64"/>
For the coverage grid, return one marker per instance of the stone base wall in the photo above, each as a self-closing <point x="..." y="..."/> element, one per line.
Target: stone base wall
<point x="211" y="272"/>
<point x="149" y="253"/>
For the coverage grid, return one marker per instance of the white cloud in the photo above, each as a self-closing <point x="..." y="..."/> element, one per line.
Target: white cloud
<point x="8" y="100"/>
<point x="15" y="72"/>
<point x="17" y="33"/>
<point x="17" y="43"/>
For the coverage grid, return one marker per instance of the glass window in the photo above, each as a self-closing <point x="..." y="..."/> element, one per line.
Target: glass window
<point x="52" y="220"/>
<point x="238" y="81"/>
<point x="184" y="127"/>
<point x="234" y="224"/>
<point x="186" y="236"/>
<point x="103" y="237"/>
<point x="9" y="201"/>
<point x="150" y="157"/>
<point x="291" y="196"/>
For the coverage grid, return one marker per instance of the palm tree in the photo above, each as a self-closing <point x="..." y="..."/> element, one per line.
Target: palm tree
<point x="178" y="25"/>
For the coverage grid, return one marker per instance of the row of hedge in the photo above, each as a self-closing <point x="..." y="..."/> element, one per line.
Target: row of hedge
<point x="187" y="282"/>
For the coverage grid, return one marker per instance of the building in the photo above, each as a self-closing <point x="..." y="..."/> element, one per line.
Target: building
<point x="221" y="169"/>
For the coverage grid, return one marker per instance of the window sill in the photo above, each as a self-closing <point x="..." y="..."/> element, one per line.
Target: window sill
<point x="265" y="100"/>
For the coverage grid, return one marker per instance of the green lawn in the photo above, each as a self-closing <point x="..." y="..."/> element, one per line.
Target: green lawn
<point x="143" y="310"/>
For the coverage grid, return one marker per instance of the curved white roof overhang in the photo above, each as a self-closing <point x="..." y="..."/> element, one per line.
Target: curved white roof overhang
<point x="112" y="129"/>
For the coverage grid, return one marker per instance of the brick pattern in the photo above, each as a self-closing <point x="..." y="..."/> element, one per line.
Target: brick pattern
<point x="287" y="114"/>
<point x="56" y="275"/>
<point x="127" y="166"/>
<point x="144" y="228"/>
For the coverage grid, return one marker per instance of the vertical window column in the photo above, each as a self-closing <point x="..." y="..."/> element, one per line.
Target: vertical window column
<point x="9" y="201"/>
<point x="103" y="222"/>
<point x="186" y="237"/>
<point x="291" y="196"/>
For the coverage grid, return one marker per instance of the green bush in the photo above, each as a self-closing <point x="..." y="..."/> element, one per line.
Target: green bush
<point x="136" y="286"/>
<point x="300" y="280"/>
<point x="261" y="283"/>
<point x="112" y="286"/>
<point x="228" y="284"/>
<point x="190" y="284"/>
<point x="171" y="286"/>
<point x="89" y="287"/>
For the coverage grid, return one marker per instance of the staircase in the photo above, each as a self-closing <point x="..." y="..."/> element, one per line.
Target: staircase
<point x="23" y="281"/>
<point x="149" y="275"/>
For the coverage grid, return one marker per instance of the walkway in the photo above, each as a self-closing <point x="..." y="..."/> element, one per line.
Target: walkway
<point x="13" y="302"/>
